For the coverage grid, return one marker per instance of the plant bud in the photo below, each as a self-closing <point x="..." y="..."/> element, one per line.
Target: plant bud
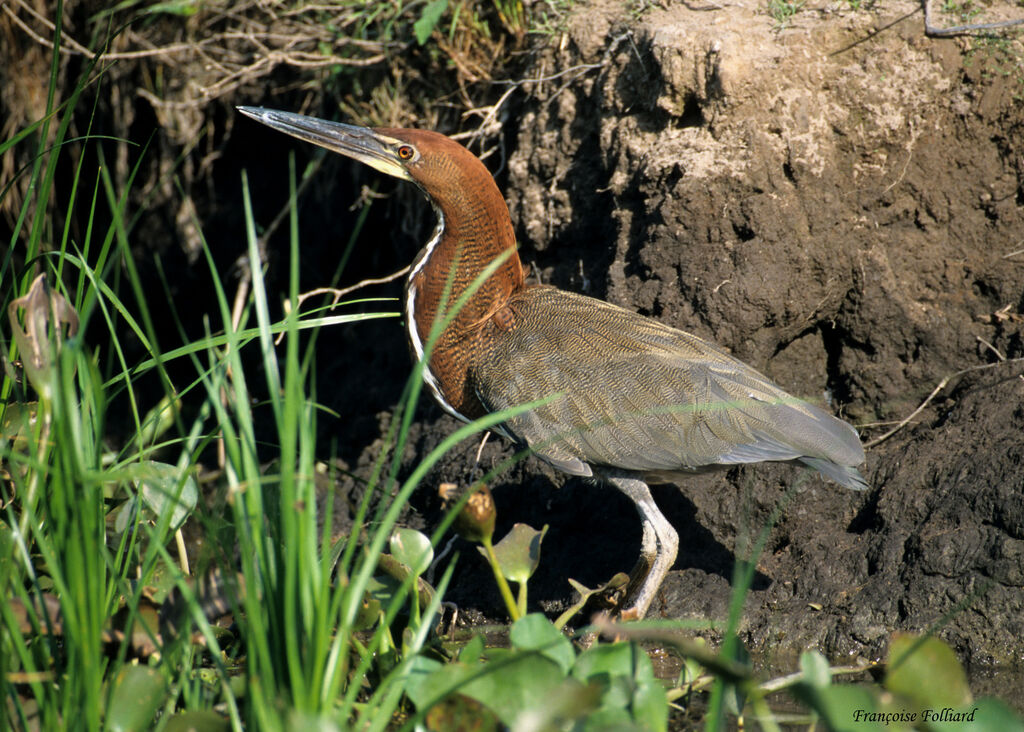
<point x="475" y="522"/>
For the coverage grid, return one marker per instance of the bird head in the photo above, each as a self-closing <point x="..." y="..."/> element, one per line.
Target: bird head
<point x="443" y="168"/>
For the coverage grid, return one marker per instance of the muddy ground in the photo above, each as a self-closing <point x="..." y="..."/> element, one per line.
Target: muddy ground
<point x="841" y="204"/>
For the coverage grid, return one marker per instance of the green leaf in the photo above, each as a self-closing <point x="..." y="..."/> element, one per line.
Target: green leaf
<point x="124" y="515"/>
<point x="460" y="713"/>
<point x="520" y="683"/>
<point x="425" y="679"/>
<point x="183" y="8"/>
<point x="157" y="421"/>
<point x="569" y="701"/>
<point x="7" y="550"/>
<point x="18" y="420"/>
<point x="391" y="574"/>
<point x="163" y="488"/>
<point x="815" y="669"/>
<point x="138" y="693"/>
<point x="429" y="19"/>
<point x="628" y="675"/>
<point x="987" y="715"/>
<point x="535" y="632"/>
<point x="519" y="552"/>
<point x="509" y="683"/>
<point x="650" y="706"/>
<point x="198" y="721"/>
<point x="472" y="651"/>
<point x="367" y="614"/>
<point x="412" y="549"/>
<point x="927" y="671"/>
<point x="842" y="707"/>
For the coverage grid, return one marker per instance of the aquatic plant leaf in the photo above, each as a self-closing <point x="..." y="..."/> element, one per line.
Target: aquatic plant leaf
<point x="927" y="671"/>
<point x="139" y="691"/>
<point x="519" y="552"/>
<point x="535" y="632"/>
<point x="412" y="548"/>
<point x="163" y="488"/>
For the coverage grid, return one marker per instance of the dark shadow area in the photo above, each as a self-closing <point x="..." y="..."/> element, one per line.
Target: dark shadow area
<point x="594" y="532"/>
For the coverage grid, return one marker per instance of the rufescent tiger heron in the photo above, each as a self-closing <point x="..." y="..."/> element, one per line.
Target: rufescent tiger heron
<point x="631" y="400"/>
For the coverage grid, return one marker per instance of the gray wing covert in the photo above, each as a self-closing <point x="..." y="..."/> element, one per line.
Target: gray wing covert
<point x="631" y="393"/>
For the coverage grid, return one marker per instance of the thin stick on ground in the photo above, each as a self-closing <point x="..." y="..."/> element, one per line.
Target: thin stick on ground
<point x="942" y="385"/>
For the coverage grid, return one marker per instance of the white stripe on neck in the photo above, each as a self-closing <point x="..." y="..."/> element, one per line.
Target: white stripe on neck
<point x="410" y="321"/>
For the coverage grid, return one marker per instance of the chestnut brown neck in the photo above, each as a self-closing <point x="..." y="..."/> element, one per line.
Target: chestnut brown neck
<point x="474" y="230"/>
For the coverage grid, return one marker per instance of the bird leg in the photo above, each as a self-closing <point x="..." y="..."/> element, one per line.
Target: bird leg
<point x="658" y="548"/>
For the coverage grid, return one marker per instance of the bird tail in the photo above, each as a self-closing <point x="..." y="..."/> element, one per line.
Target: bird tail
<point x="845" y="475"/>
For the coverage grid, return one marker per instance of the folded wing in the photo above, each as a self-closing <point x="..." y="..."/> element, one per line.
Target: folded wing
<point x="630" y="393"/>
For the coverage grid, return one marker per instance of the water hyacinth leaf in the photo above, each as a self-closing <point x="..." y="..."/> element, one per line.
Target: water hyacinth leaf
<point x="472" y="651"/>
<point x="389" y="576"/>
<point x="508" y="683"/>
<point x="164" y="488"/>
<point x="927" y="671"/>
<point x="124" y="515"/>
<point x="382" y="588"/>
<point x="520" y="682"/>
<point x="519" y="552"/>
<point x="990" y="715"/>
<point x="412" y="549"/>
<point x="139" y="692"/>
<point x="630" y="683"/>
<point x="535" y="632"/>
<point x="427" y="678"/>
<point x="573" y="701"/>
<point x="368" y="614"/>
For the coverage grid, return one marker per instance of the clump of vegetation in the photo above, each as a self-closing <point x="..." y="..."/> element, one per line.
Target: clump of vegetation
<point x="783" y="11"/>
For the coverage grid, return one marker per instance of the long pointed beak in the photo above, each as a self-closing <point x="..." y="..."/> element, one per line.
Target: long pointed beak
<point x="359" y="143"/>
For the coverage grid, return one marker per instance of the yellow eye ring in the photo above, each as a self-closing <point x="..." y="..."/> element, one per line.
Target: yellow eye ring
<point x="405" y="152"/>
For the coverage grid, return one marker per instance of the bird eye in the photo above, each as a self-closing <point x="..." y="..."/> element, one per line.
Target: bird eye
<point x="405" y="152"/>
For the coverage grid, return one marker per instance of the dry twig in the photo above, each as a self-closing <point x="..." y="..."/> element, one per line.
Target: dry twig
<point x="942" y="385"/>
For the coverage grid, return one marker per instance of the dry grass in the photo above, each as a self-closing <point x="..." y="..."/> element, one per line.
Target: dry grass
<point x="187" y="63"/>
